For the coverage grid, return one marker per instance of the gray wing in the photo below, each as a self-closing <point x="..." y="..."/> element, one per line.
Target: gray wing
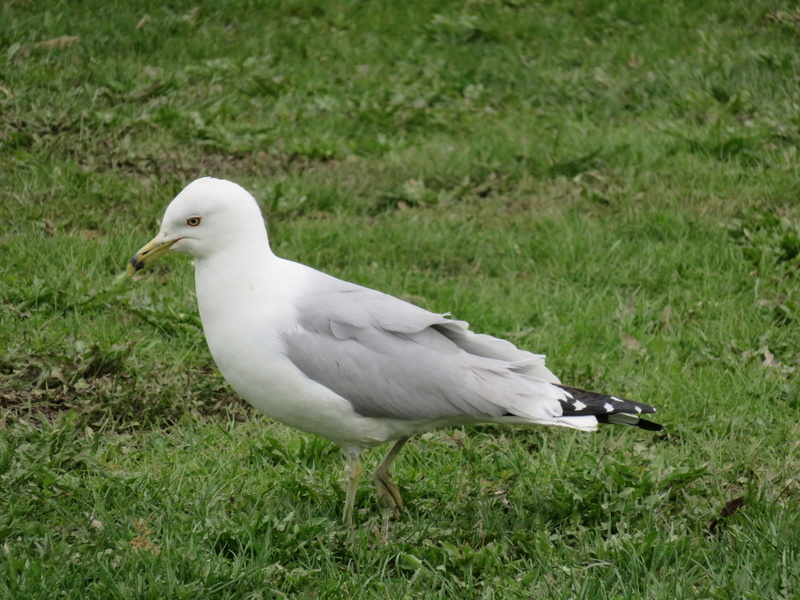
<point x="389" y="358"/>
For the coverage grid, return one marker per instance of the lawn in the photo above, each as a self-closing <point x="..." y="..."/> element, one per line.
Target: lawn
<point x="613" y="184"/>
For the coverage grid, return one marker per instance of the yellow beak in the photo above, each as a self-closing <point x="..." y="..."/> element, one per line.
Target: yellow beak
<point x="148" y="254"/>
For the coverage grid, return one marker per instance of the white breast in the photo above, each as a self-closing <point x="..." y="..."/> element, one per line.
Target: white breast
<point x="243" y="321"/>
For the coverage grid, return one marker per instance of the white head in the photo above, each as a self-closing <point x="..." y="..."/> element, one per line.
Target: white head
<point x="209" y="215"/>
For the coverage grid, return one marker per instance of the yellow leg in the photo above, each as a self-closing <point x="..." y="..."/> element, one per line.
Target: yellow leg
<point x="386" y="488"/>
<point x="354" y="472"/>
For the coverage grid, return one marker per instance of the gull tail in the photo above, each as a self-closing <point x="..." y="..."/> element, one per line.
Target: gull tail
<point x="606" y="409"/>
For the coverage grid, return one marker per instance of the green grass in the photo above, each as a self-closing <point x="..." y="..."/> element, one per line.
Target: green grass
<point x="614" y="184"/>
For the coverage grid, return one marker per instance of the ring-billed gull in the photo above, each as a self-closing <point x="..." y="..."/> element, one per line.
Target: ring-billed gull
<point x="345" y="362"/>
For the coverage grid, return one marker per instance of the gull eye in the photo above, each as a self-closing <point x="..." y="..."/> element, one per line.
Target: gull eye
<point x="193" y="221"/>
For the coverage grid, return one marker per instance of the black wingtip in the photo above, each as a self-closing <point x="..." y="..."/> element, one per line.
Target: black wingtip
<point x="628" y="419"/>
<point x="649" y="425"/>
<point x="607" y="409"/>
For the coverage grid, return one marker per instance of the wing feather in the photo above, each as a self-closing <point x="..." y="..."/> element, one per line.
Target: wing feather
<point x="389" y="358"/>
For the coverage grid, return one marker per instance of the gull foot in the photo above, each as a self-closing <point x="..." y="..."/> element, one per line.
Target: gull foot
<point x="388" y="493"/>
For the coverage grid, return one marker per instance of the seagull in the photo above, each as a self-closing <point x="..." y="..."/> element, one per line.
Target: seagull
<point x="345" y="362"/>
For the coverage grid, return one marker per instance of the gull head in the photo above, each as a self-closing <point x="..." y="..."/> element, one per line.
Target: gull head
<point x="208" y="216"/>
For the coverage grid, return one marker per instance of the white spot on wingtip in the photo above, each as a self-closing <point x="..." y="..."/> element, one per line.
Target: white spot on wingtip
<point x="579" y="405"/>
<point x="638" y="409"/>
<point x="615" y="399"/>
<point x="608" y="407"/>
